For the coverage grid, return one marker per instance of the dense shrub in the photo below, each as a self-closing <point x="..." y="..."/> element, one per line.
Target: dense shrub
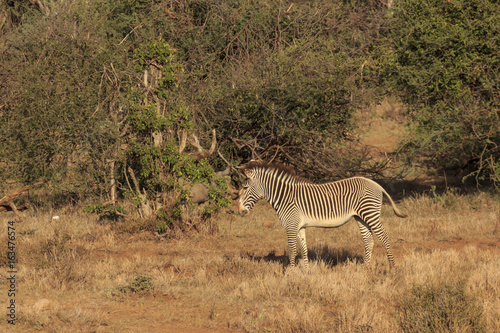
<point x="446" y="66"/>
<point x="141" y="282"/>
<point x="111" y="87"/>
<point x="286" y="75"/>
<point x="287" y="80"/>
<point x="55" y="105"/>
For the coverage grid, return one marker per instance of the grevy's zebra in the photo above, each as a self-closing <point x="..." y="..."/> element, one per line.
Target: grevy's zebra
<point x="300" y="204"/>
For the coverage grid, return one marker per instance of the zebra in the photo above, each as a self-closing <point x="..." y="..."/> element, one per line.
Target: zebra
<point x="300" y="203"/>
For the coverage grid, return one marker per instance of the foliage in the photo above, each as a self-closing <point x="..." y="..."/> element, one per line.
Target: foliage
<point x="109" y="211"/>
<point x="295" y="84"/>
<point x="291" y="76"/>
<point x="218" y="197"/>
<point x="54" y="71"/>
<point x="111" y="88"/>
<point x="153" y="151"/>
<point x="49" y="103"/>
<point x="141" y="282"/>
<point x="442" y="308"/>
<point x="161" y="165"/>
<point x="445" y="65"/>
<point x="159" y="54"/>
<point x="163" y="225"/>
<point x="292" y="108"/>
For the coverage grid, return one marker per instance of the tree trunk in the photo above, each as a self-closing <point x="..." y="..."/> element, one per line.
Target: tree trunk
<point x="112" y="181"/>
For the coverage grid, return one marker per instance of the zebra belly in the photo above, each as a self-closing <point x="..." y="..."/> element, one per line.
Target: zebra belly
<point x="333" y="222"/>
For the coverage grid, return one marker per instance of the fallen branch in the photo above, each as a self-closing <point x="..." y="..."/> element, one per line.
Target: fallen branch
<point x="7" y="208"/>
<point x="7" y="202"/>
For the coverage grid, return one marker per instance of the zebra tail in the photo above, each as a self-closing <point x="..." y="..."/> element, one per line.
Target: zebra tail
<point x="396" y="210"/>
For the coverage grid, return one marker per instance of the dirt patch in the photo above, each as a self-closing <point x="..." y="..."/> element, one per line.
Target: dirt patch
<point x="382" y="127"/>
<point x="486" y="244"/>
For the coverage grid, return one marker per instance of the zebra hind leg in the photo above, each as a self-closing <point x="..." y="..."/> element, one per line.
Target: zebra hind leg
<point x="379" y="230"/>
<point x="367" y="236"/>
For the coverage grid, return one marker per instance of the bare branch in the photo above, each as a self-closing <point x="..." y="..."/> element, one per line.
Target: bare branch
<point x="182" y="144"/>
<point x="128" y="182"/>
<point x="214" y="142"/>
<point x="158" y="139"/>
<point x="146" y="79"/>
<point x="131" y="31"/>
<point x="145" y="209"/>
<point x="134" y="180"/>
<point x="231" y="167"/>
<point x="44" y="8"/>
<point x="194" y="141"/>
<point x="202" y="153"/>
<point x="252" y="145"/>
<point x="7" y="208"/>
<point x="14" y="194"/>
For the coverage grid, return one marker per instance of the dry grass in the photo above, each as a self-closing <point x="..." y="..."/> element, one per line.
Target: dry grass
<point x="75" y="274"/>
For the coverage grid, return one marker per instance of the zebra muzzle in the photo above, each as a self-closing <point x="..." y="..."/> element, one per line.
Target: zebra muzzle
<point x="243" y="211"/>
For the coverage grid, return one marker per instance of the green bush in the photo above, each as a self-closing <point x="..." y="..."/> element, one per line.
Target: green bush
<point x="109" y="212"/>
<point x="218" y="197"/>
<point x="65" y="60"/>
<point x="441" y="308"/>
<point x="141" y="282"/>
<point x="446" y="67"/>
<point x="288" y="75"/>
<point x="290" y="85"/>
<point x="109" y="87"/>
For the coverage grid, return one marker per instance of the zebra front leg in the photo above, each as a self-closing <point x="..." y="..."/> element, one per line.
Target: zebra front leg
<point x="292" y="245"/>
<point x="367" y="236"/>
<point x="301" y="237"/>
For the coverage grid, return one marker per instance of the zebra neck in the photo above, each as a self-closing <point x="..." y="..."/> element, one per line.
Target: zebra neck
<point x="278" y="192"/>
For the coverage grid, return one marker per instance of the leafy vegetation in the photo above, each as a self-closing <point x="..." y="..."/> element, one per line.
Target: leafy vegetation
<point x="446" y="66"/>
<point x="141" y="282"/>
<point x="112" y="90"/>
<point x="109" y="212"/>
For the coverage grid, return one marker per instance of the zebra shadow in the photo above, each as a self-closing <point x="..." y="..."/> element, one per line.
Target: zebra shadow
<point x="329" y="256"/>
<point x="332" y="257"/>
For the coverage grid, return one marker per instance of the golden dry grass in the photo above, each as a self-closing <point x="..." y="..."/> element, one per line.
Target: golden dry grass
<point x="75" y="274"/>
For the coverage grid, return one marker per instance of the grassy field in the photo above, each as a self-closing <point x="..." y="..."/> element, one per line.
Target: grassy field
<point x="76" y="274"/>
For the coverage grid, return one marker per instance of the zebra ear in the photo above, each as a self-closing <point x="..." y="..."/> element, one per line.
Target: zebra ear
<point x="247" y="173"/>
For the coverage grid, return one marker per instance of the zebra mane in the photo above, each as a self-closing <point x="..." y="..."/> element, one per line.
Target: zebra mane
<point x="278" y="168"/>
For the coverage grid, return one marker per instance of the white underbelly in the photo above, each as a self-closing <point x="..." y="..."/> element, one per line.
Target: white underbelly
<point x="308" y="221"/>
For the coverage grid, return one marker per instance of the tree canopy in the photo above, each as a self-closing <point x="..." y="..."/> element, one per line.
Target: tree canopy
<point x="97" y="93"/>
<point x="446" y="67"/>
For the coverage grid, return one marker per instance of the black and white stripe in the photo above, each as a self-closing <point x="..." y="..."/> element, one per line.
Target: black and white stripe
<point x="301" y="204"/>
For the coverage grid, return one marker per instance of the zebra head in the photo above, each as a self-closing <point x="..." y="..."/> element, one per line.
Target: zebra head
<point x="251" y="192"/>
